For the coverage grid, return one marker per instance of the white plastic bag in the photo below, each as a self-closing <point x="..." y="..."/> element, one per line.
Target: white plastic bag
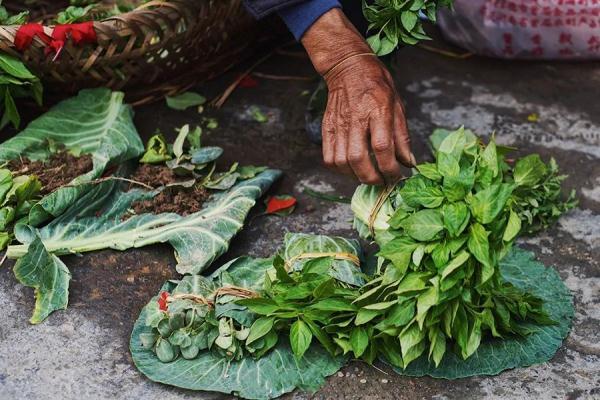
<point x="533" y="29"/>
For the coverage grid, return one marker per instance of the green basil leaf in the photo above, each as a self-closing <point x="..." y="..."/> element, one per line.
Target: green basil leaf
<point x="456" y="217"/>
<point x="513" y="227"/>
<point x="365" y="315"/>
<point x="488" y="203"/>
<point x="333" y="305"/>
<point x="260" y="328"/>
<point x="429" y="170"/>
<point x="359" y="340"/>
<point x="300" y="338"/>
<point x="424" y="225"/>
<point x="479" y="246"/>
<point x="401" y="314"/>
<point x="437" y="346"/>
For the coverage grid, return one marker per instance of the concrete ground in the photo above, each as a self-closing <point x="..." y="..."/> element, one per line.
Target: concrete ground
<point x="83" y="352"/>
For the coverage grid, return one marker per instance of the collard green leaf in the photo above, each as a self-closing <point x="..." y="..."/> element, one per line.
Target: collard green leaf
<point x="494" y="354"/>
<point x="198" y="238"/>
<point x="296" y="244"/>
<point x="50" y="278"/>
<point x="95" y="222"/>
<point x="363" y="204"/>
<point x="95" y="122"/>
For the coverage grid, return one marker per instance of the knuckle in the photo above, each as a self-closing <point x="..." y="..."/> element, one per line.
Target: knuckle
<point x="356" y="157"/>
<point x="371" y="180"/>
<point x="340" y="161"/>
<point x="381" y="145"/>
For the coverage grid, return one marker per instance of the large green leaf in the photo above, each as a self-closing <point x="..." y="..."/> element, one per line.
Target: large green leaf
<point x="297" y="244"/>
<point x="278" y="372"/>
<point x="48" y="275"/>
<point x="95" y="222"/>
<point x="95" y="122"/>
<point x="496" y="355"/>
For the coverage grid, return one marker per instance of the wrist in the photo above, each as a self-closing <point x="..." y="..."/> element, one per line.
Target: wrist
<point x="332" y="39"/>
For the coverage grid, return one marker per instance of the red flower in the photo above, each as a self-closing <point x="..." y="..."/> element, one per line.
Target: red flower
<point x="162" y="301"/>
<point x="281" y="205"/>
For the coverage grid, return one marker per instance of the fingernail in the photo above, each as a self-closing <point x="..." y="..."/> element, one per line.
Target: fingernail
<point x="413" y="160"/>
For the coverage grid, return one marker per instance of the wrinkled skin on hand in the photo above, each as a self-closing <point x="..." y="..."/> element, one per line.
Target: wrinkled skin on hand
<point x="364" y="127"/>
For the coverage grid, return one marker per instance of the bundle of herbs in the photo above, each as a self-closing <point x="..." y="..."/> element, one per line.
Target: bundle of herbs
<point x="395" y="22"/>
<point x="442" y="234"/>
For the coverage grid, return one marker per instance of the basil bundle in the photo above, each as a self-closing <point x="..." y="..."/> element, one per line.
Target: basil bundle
<point x="441" y="235"/>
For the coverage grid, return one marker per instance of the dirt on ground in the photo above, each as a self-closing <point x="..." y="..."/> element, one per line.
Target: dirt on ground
<point x="175" y="199"/>
<point x="57" y="171"/>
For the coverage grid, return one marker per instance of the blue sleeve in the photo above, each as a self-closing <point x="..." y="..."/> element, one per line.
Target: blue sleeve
<point x="300" y="17"/>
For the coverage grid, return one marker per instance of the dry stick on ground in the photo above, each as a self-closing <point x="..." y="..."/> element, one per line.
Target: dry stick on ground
<point x="3" y="258"/>
<point x="283" y="77"/>
<point x="218" y="101"/>
<point x="446" y="53"/>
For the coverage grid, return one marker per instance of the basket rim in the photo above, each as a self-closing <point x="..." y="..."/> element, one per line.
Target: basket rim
<point x="8" y="32"/>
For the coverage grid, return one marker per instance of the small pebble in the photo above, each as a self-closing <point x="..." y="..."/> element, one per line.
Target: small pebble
<point x="363" y="381"/>
<point x="384" y="381"/>
<point x="347" y="374"/>
<point x="340" y="374"/>
<point x="131" y="279"/>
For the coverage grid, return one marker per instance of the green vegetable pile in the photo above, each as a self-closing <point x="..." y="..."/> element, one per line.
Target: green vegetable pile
<point x="398" y="21"/>
<point x="17" y="196"/>
<point x="442" y="234"/>
<point x="187" y="322"/>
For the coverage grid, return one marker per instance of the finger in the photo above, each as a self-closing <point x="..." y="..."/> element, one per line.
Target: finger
<point x="359" y="157"/>
<point x="381" y="127"/>
<point x="328" y="139"/>
<point x="402" y="138"/>
<point x="341" y="142"/>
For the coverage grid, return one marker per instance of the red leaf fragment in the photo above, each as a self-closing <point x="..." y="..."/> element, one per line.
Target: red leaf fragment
<point x="162" y="301"/>
<point x="248" y="82"/>
<point x="281" y="205"/>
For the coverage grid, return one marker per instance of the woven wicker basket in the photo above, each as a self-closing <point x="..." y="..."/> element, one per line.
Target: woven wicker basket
<point x="161" y="48"/>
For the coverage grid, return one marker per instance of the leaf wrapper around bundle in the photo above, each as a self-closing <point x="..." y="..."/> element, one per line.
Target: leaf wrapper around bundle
<point x="277" y="372"/>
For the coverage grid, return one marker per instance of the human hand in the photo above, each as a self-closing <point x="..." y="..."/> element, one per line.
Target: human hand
<point x="364" y="127"/>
